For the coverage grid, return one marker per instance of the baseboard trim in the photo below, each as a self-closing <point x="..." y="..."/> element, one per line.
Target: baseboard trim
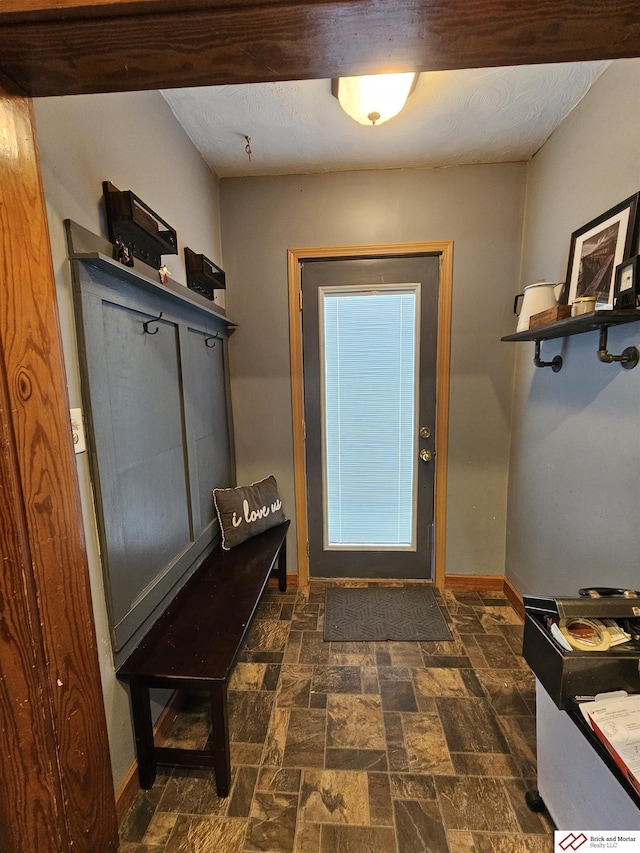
<point x="515" y="599"/>
<point x="490" y="583"/>
<point x="130" y="785"/>
<point x="292" y="581"/>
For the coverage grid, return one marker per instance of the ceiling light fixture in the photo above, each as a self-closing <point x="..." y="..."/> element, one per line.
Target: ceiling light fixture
<point x="376" y="98"/>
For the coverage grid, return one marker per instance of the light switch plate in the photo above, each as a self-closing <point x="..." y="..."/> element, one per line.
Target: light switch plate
<point x="77" y="430"/>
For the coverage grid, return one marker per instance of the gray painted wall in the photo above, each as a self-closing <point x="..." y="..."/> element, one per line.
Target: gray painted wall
<point x="134" y="141"/>
<point x="574" y="484"/>
<point x="480" y="208"/>
<point x="575" y="459"/>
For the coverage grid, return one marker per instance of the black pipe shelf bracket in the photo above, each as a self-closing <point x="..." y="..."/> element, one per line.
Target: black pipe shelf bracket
<point x="628" y="359"/>
<point x="555" y="364"/>
<point x="594" y="321"/>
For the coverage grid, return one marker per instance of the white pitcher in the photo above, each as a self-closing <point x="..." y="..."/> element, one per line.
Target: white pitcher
<point x="536" y="297"/>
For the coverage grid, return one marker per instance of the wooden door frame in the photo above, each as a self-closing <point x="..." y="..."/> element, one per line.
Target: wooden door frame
<point x="443" y="248"/>
<point x="56" y="789"/>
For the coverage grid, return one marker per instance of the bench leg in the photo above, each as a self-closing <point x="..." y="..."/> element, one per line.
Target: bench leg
<point x="282" y="567"/>
<point x="143" y="726"/>
<point x="220" y="739"/>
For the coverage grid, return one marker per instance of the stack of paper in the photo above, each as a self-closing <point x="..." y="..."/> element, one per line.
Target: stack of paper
<point x="618" y="635"/>
<point x="615" y="718"/>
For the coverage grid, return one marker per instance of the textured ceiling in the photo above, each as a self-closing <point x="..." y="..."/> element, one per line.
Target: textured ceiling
<point x="486" y="115"/>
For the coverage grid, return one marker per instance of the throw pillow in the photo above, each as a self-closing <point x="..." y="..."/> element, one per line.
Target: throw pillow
<point x="247" y="510"/>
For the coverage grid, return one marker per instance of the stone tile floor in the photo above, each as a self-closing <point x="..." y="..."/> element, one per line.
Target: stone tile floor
<point x="360" y="747"/>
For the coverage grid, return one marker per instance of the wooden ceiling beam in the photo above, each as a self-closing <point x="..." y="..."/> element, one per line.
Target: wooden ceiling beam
<point x="31" y="10"/>
<point x="120" y="45"/>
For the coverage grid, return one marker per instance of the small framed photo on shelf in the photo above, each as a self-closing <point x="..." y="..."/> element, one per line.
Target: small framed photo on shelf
<point x="627" y="283"/>
<point x="596" y="251"/>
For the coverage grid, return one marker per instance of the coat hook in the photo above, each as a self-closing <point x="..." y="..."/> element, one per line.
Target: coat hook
<point x="213" y="338"/>
<point x="154" y="320"/>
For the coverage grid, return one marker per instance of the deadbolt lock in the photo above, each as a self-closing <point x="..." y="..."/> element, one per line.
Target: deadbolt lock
<point x="425" y="432"/>
<point x="425" y="455"/>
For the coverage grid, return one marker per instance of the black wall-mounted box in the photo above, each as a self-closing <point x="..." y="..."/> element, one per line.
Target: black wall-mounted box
<point x="134" y="223"/>
<point x="564" y="674"/>
<point x="203" y="275"/>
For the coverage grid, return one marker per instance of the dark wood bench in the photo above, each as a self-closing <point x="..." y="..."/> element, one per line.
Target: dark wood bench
<point x="194" y="645"/>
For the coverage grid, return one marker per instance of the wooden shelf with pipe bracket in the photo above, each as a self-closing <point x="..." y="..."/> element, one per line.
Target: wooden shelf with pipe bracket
<point x="594" y="321"/>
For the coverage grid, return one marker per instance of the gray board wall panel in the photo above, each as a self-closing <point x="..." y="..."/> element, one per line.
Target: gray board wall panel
<point x="159" y="437"/>
<point x="208" y="437"/>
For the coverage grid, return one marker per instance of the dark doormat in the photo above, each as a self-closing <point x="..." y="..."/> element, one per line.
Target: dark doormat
<point x="373" y="614"/>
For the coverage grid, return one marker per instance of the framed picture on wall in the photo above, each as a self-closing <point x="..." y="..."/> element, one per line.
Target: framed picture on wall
<point x="597" y="249"/>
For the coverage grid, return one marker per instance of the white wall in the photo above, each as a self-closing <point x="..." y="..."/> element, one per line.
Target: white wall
<point x="480" y="208"/>
<point x="134" y="141"/>
<point x="574" y="484"/>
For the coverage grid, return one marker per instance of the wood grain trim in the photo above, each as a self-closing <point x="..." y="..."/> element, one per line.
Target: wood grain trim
<point x="42" y="10"/>
<point x="444" y="248"/>
<point x="292" y="582"/>
<point x="488" y="583"/>
<point x="126" y="792"/>
<point x="445" y="294"/>
<point x="30" y="790"/>
<point x="514" y="597"/>
<point x="297" y="414"/>
<point x="131" y="44"/>
<point x="36" y="421"/>
<point x="130" y="785"/>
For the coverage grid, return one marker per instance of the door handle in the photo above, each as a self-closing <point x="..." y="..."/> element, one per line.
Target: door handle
<point x="426" y="455"/>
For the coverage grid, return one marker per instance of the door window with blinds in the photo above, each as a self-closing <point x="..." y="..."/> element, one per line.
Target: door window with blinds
<point x="368" y="363"/>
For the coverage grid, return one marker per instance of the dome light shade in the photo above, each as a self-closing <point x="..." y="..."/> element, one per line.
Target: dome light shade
<point x="376" y="98"/>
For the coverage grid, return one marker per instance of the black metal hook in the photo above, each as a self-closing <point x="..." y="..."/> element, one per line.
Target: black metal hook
<point x="154" y="320"/>
<point x="213" y="338"/>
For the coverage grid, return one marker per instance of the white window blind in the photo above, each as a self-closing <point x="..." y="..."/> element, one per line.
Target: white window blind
<point x="369" y="384"/>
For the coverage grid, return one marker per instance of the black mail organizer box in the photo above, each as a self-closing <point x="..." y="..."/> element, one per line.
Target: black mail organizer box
<point x="565" y="674"/>
<point x="569" y="677"/>
<point x="203" y="275"/>
<point x="194" y="645"/>
<point x="137" y="226"/>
